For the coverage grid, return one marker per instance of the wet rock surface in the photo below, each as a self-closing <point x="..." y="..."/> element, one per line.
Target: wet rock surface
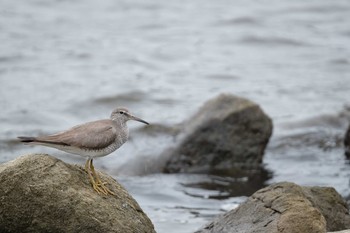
<point x="227" y="137"/>
<point x="40" y="193"/>
<point x="286" y="207"/>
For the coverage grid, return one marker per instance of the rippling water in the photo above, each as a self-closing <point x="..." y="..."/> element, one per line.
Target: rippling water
<point x="63" y="63"/>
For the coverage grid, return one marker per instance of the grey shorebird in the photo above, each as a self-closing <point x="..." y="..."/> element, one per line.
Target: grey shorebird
<point x="91" y="140"/>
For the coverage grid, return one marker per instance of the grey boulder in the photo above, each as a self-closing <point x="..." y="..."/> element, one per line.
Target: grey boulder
<point x="286" y="208"/>
<point x="227" y="136"/>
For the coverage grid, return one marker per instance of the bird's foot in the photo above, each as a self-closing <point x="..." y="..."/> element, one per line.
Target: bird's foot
<point x="102" y="186"/>
<point x="97" y="184"/>
<point x="96" y="187"/>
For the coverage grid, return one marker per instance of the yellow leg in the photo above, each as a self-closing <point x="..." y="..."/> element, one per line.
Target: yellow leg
<point x="99" y="182"/>
<point x="92" y="180"/>
<point x="87" y="166"/>
<point x="95" y="180"/>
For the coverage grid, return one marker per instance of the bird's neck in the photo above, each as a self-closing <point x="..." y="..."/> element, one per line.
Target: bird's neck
<point x="120" y="122"/>
<point x="123" y="130"/>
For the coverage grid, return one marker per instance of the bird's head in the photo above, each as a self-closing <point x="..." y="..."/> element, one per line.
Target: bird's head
<point x="123" y="115"/>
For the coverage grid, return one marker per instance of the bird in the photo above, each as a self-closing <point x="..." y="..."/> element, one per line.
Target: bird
<point x="91" y="140"/>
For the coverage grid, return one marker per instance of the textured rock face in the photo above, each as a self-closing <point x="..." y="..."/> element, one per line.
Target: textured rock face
<point x="288" y="208"/>
<point x="227" y="136"/>
<point x="40" y="193"/>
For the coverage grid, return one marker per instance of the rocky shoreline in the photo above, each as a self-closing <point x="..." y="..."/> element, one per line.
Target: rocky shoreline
<point x="226" y="137"/>
<point x="40" y="193"/>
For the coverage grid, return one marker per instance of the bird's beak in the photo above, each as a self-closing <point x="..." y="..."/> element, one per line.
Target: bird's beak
<point x="138" y="119"/>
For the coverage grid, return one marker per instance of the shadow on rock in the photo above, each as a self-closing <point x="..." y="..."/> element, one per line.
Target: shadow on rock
<point x="347" y="143"/>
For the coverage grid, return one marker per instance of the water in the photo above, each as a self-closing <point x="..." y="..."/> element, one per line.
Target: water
<point x="63" y="63"/>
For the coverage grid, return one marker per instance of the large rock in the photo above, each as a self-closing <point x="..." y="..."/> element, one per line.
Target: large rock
<point x="288" y="208"/>
<point x="227" y="136"/>
<point x="39" y="193"/>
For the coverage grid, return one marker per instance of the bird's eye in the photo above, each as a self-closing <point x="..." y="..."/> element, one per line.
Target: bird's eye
<point x="121" y="112"/>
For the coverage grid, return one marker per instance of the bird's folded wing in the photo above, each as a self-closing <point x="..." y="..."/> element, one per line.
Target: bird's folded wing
<point x="94" y="135"/>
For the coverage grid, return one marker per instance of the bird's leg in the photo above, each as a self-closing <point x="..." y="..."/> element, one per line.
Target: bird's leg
<point x="94" y="184"/>
<point x="99" y="183"/>
<point x="87" y="166"/>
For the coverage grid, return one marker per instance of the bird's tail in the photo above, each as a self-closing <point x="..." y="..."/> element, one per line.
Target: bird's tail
<point x="27" y="139"/>
<point x="41" y="141"/>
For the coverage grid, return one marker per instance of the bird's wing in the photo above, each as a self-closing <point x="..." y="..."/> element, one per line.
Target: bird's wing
<point x="93" y="135"/>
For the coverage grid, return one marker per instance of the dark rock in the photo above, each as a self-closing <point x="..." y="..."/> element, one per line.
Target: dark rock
<point x="39" y="193"/>
<point x="344" y="231"/>
<point x="347" y="142"/>
<point x="288" y="208"/>
<point x="227" y="136"/>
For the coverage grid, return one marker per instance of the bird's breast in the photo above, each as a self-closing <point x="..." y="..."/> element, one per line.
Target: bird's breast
<point x="122" y="135"/>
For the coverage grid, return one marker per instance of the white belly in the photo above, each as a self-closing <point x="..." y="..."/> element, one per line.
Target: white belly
<point x="85" y="152"/>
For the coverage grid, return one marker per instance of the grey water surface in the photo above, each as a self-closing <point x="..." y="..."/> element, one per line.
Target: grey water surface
<point x="67" y="62"/>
